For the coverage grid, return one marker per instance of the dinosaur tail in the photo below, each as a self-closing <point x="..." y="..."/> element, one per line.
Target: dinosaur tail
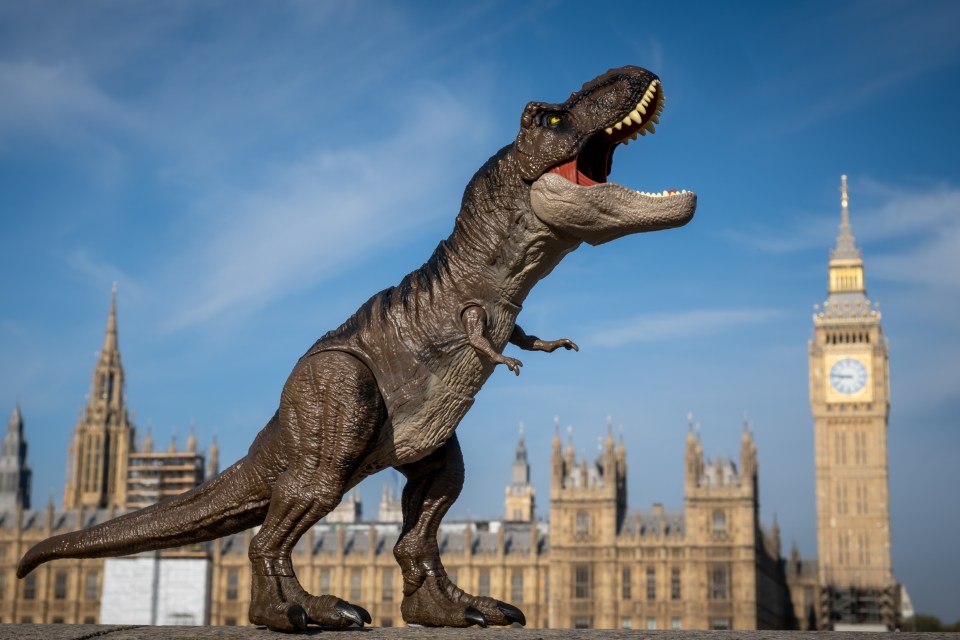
<point x="233" y="501"/>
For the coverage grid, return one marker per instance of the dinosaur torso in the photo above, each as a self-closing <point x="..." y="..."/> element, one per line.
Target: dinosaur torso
<point x="411" y="335"/>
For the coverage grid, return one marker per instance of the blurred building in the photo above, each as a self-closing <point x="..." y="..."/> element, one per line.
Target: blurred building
<point x="105" y="475"/>
<point x="850" y="399"/>
<point x="595" y="564"/>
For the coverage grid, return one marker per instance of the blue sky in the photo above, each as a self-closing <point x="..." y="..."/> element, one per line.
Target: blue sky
<point x="250" y="173"/>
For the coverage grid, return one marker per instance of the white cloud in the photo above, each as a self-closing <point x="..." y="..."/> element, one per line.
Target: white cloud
<point x="53" y="100"/>
<point x="654" y="327"/>
<point x="317" y="215"/>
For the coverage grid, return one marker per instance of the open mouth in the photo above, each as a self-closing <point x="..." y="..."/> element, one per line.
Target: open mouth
<point x="593" y="164"/>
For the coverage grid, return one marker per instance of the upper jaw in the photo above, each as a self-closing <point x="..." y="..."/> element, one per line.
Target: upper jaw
<point x="593" y="160"/>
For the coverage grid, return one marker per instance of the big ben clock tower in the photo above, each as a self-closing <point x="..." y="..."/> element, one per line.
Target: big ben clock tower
<point x="850" y="398"/>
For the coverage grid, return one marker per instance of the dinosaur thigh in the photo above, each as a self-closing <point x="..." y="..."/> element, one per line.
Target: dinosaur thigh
<point x="330" y="413"/>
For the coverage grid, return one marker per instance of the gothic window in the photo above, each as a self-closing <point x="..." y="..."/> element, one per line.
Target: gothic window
<point x="843" y="550"/>
<point x="718" y="582"/>
<point x="625" y="586"/>
<point x="583" y="622"/>
<point x="860" y="447"/>
<point x="356" y="585"/>
<point x="651" y="623"/>
<point x="675" y="583"/>
<point x="91" y="589"/>
<point x="843" y="506"/>
<point x="324" y="586"/>
<point x="583" y="582"/>
<point x="30" y="587"/>
<point x="233" y="584"/>
<point x="546" y="585"/>
<point x="719" y="624"/>
<point x="516" y="585"/>
<point x="719" y="523"/>
<point x="651" y="583"/>
<point x="863" y="550"/>
<point x="60" y="585"/>
<point x="484" y="583"/>
<point x="861" y="498"/>
<point x="840" y="447"/>
<point x="583" y="524"/>
<point x="386" y="594"/>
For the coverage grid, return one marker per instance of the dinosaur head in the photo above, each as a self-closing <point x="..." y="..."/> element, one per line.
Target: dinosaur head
<point x="566" y="152"/>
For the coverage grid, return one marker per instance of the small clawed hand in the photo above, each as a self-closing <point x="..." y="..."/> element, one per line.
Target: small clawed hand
<point x="551" y="345"/>
<point x="512" y="363"/>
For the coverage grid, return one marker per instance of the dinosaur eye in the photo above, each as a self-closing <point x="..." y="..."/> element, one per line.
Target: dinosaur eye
<point x="551" y="119"/>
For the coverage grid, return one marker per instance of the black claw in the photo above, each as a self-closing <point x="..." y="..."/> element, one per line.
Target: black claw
<point x="297" y="617"/>
<point x="511" y="613"/>
<point x="363" y="613"/>
<point x="349" y="612"/>
<point x="474" y="616"/>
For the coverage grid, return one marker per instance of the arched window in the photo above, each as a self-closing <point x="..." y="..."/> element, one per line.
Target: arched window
<point x="719" y="523"/>
<point x="583" y="524"/>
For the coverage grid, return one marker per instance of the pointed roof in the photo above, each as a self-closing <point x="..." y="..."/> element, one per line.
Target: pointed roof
<point x="110" y="338"/>
<point x="16" y="420"/>
<point x="846" y="248"/>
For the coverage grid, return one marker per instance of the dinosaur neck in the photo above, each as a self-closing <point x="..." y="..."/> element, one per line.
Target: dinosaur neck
<point x="498" y="242"/>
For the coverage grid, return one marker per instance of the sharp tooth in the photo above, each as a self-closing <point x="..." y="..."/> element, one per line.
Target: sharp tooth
<point x="636" y="117"/>
<point x="642" y="132"/>
<point x="625" y="141"/>
<point x="654" y="119"/>
<point x="633" y="137"/>
<point x="609" y="131"/>
<point x="642" y="108"/>
<point x="649" y="127"/>
<point x="618" y="126"/>
<point x="626" y="120"/>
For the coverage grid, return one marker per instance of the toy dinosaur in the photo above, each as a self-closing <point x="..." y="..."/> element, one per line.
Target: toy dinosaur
<point x="389" y="386"/>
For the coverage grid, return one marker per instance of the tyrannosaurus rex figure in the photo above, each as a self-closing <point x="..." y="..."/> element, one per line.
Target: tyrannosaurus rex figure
<point x="389" y="386"/>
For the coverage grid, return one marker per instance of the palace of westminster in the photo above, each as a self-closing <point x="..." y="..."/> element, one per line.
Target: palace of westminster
<point x="594" y="563"/>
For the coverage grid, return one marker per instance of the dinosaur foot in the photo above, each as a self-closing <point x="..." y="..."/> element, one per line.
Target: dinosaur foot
<point x="281" y="604"/>
<point x="437" y="602"/>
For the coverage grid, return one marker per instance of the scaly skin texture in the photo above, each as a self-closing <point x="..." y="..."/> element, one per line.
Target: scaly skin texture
<point x="389" y="386"/>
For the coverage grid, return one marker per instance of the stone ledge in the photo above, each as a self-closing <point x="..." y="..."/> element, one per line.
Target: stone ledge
<point x="117" y="632"/>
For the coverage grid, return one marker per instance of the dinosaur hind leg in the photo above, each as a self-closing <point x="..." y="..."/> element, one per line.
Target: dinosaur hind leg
<point x="429" y="597"/>
<point x="330" y="411"/>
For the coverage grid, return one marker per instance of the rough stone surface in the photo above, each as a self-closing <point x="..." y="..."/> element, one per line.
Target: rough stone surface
<point x="113" y="632"/>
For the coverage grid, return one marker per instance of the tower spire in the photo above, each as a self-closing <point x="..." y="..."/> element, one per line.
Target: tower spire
<point x="104" y="433"/>
<point x="846" y="248"/>
<point x="110" y="338"/>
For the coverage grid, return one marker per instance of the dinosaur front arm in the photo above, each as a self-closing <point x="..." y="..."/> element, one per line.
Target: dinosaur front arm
<point x="475" y="325"/>
<point x="533" y="343"/>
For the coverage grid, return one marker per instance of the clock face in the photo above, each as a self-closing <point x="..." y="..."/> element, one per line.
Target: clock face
<point x="848" y="376"/>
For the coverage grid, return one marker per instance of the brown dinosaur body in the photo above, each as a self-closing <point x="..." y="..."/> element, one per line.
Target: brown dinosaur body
<point x="389" y="386"/>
